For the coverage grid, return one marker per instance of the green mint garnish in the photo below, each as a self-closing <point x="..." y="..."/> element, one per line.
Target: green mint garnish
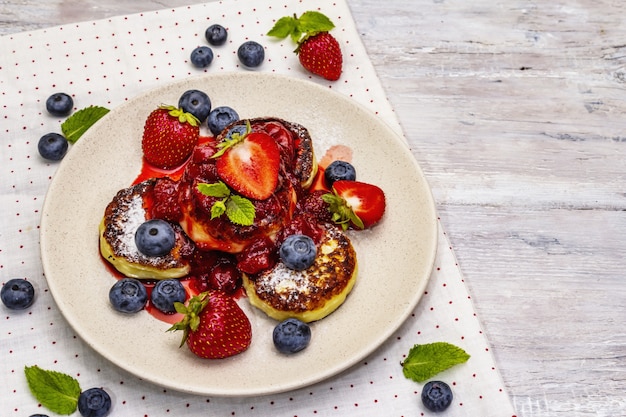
<point x="425" y="361"/>
<point x="308" y="24"/>
<point x="238" y="209"/>
<point x="78" y="123"/>
<point x="56" y="391"/>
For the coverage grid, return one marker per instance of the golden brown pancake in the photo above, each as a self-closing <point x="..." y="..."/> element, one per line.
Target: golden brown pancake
<point x="313" y="293"/>
<point x="123" y="215"/>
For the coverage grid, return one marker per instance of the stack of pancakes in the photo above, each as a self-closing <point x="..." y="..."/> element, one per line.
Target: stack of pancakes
<point x="308" y="295"/>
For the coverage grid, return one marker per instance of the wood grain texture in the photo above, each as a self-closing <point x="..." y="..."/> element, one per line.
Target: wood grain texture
<point x="516" y="111"/>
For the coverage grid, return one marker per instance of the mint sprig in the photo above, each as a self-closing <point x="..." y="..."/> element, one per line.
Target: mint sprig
<point x="78" y="123"/>
<point x="425" y="361"/>
<point x="56" y="391"/>
<point x="238" y="209"/>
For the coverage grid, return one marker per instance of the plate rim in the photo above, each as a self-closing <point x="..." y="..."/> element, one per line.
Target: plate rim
<point x="397" y="323"/>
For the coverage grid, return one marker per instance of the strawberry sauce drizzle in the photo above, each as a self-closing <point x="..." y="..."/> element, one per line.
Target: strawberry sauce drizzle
<point x="192" y="283"/>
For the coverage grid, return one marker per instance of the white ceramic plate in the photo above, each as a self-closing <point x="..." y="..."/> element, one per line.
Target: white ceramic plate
<point x="395" y="258"/>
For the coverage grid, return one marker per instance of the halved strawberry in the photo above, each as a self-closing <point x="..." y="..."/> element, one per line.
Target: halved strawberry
<point x="169" y="136"/>
<point x="214" y="326"/>
<point x="355" y="203"/>
<point x="250" y="164"/>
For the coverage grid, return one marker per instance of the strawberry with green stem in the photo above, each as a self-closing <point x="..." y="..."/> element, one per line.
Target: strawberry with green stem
<point x="355" y="204"/>
<point x="318" y="50"/>
<point x="169" y="136"/>
<point x="214" y="326"/>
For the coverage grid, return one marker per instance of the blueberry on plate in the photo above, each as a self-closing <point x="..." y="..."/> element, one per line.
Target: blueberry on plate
<point x="251" y="54"/>
<point x="128" y="295"/>
<point x="291" y="335"/>
<point x="17" y="294"/>
<point x="94" y="402"/>
<point x="298" y="252"/>
<point x="220" y="117"/>
<point x="53" y="146"/>
<point x="195" y="102"/>
<point x="59" y="104"/>
<point x="436" y="396"/>
<point x="201" y="57"/>
<point x="216" y="35"/>
<point x="155" y="237"/>
<point x="339" y="170"/>
<point x="167" y="292"/>
<point x="38" y="415"/>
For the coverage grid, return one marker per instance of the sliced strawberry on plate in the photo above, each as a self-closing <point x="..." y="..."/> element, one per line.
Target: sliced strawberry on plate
<point x="354" y="203"/>
<point x="214" y="326"/>
<point x="249" y="164"/>
<point x="169" y="136"/>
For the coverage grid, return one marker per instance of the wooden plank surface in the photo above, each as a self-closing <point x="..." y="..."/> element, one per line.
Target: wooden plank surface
<point x="516" y="112"/>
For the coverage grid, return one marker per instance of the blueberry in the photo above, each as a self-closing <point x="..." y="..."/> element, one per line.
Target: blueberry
<point x="53" y="146"/>
<point x="237" y="130"/>
<point x="195" y="102"/>
<point x="155" y="237"/>
<point x="17" y="294"/>
<point x="291" y="335"/>
<point x="216" y="35"/>
<point x="298" y="252"/>
<point x="59" y="104"/>
<point x="128" y="295"/>
<point x="251" y="54"/>
<point x="339" y="170"/>
<point x="436" y="396"/>
<point x="201" y="57"/>
<point x="220" y="117"/>
<point x="38" y="415"/>
<point x="167" y="292"/>
<point x="94" y="402"/>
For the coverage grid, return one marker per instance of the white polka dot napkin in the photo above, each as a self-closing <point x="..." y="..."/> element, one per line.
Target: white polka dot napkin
<point x="108" y="61"/>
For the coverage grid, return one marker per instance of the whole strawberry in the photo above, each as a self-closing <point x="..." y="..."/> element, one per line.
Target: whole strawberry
<point x="321" y="55"/>
<point x="214" y="326"/>
<point x="169" y="136"/>
<point x="318" y="50"/>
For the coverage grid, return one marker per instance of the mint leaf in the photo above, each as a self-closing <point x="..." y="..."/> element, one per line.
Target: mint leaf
<point x="78" y="123"/>
<point x="218" y="208"/>
<point x="56" y="391"/>
<point x="240" y="210"/>
<point x="425" y="361"/>
<point x="217" y="189"/>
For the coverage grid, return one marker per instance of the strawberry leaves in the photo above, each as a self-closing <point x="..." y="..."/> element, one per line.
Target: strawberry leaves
<point x="191" y="319"/>
<point x="239" y="210"/>
<point x="308" y="24"/>
<point x="354" y="203"/>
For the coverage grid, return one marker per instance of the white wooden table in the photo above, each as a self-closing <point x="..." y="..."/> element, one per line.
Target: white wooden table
<point x="516" y="112"/>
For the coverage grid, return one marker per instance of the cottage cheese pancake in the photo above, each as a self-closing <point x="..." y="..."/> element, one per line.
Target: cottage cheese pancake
<point x="313" y="293"/>
<point x="123" y="215"/>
